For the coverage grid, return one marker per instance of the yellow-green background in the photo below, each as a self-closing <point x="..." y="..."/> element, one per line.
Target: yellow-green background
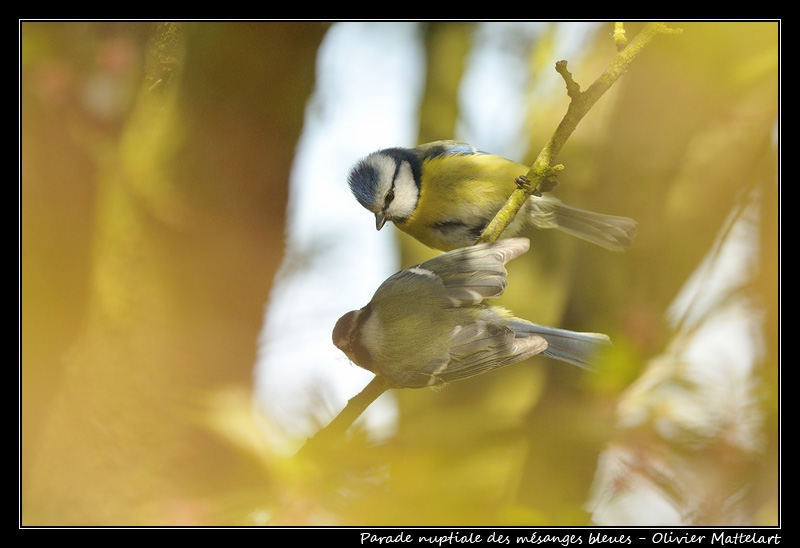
<point x="149" y="236"/>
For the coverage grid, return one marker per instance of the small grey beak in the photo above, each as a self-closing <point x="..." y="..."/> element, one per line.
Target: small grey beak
<point x="380" y="220"/>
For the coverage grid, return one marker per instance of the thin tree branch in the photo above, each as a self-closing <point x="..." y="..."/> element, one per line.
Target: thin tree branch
<point x="335" y="430"/>
<point x="541" y="175"/>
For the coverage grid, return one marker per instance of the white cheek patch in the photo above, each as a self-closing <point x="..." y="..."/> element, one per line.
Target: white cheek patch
<point x="372" y="330"/>
<point x="406" y="194"/>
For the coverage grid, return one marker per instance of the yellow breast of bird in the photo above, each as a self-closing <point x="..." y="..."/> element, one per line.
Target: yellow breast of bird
<point x="458" y="198"/>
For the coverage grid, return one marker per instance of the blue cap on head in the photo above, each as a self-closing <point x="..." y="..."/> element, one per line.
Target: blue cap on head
<point x="363" y="181"/>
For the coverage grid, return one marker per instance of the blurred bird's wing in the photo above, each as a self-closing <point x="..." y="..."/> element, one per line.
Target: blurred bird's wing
<point x="472" y="274"/>
<point x="478" y="347"/>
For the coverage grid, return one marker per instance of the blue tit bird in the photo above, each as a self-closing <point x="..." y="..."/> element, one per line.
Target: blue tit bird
<point x="428" y="325"/>
<point x="445" y="193"/>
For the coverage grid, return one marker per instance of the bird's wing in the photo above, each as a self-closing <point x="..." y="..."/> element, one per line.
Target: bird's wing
<point x="472" y="274"/>
<point x="477" y="347"/>
<point x="442" y="148"/>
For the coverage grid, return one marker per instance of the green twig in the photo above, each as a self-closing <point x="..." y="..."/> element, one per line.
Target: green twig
<point x="541" y="175"/>
<point x="620" y="38"/>
<point x="355" y="406"/>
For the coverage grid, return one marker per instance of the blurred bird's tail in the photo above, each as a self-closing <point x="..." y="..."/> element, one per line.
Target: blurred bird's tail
<point x="609" y="231"/>
<point x="568" y="346"/>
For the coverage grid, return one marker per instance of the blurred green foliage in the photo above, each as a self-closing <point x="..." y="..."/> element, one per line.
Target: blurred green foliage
<point x="146" y="255"/>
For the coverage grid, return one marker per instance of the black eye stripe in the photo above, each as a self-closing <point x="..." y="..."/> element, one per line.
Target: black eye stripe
<point x="390" y="194"/>
<point x="396" y="172"/>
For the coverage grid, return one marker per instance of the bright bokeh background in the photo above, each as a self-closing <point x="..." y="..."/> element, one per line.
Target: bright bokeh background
<point x="187" y="242"/>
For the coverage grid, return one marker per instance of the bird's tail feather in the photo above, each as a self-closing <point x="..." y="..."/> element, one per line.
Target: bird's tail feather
<point x="609" y="231"/>
<point x="569" y="346"/>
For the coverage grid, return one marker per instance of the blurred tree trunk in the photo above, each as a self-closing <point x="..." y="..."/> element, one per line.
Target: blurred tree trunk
<point x="446" y="46"/>
<point x="187" y="233"/>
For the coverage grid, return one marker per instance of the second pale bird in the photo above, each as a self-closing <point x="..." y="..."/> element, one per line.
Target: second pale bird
<point x="445" y="193"/>
<point x="428" y="325"/>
